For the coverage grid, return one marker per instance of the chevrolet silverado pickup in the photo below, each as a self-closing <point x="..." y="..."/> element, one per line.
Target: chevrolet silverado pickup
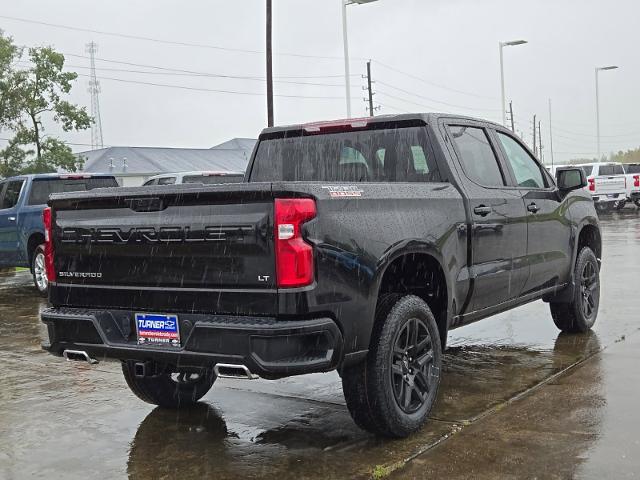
<point x="22" y="200"/>
<point x="353" y="245"/>
<point x="607" y="185"/>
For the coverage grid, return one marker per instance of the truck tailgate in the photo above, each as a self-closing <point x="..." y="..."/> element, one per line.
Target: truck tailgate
<point x="610" y="184"/>
<point x="179" y="241"/>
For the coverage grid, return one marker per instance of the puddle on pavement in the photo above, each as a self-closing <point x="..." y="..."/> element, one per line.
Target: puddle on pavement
<point x="84" y="422"/>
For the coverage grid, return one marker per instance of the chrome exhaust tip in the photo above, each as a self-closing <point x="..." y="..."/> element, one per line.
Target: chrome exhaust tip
<point x="228" y="370"/>
<point x="78" y="356"/>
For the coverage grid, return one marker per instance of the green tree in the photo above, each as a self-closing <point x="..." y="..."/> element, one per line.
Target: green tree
<point x="37" y="96"/>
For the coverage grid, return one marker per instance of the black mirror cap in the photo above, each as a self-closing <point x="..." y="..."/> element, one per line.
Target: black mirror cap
<point x="570" y="178"/>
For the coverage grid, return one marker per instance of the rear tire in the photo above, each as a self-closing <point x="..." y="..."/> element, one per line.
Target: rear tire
<point x="579" y="315"/>
<point x="39" y="272"/>
<point x="169" y="389"/>
<point x="392" y="391"/>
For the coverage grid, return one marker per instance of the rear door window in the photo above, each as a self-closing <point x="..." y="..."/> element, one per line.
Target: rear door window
<point x="41" y="188"/>
<point x="11" y="194"/>
<point x="167" y="181"/>
<point x="476" y="155"/>
<point x="400" y="154"/>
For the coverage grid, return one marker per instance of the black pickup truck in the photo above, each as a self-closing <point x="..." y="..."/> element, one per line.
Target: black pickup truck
<point x="353" y="245"/>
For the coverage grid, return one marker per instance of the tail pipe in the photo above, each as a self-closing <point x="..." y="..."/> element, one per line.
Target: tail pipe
<point x="78" y="356"/>
<point x="227" y="370"/>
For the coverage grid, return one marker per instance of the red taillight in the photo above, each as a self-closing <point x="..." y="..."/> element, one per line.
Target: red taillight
<point x="294" y="256"/>
<point x="636" y="180"/>
<point x="592" y="184"/>
<point x="337" y="125"/>
<point x="48" y="245"/>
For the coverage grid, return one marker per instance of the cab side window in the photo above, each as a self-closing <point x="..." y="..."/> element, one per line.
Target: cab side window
<point x="526" y="170"/>
<point x="11" y="194"/>
<point x="478" y="160"/>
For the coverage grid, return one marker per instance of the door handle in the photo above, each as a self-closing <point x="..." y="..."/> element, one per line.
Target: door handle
<point x="12" y="219"/>
<point x="533" y="208"/>
<point x="482" y="210"/>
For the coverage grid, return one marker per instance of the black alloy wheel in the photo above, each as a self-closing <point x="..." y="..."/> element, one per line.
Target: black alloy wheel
<point x="410" y="367"/>
<point x="590" y="290"/>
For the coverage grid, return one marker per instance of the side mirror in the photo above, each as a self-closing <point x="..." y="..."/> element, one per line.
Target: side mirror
<point x="569" y="179"/>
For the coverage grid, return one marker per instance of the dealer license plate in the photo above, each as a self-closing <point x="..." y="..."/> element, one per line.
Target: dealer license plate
<point x="157" y="329"/>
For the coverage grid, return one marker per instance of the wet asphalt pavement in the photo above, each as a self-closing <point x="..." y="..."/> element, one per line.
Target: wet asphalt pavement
<point x="516" y="400"/>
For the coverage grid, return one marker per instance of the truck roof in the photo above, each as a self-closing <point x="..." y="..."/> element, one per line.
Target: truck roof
<point x="425" y="117"/>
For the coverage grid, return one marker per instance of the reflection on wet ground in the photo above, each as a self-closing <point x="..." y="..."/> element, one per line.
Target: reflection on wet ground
<point x="84" y="422"/>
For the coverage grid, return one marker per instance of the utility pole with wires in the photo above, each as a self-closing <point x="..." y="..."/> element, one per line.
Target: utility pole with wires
<point x="94" y="90"/>
<point x="269" y="65"/>
<point x="535" y="145"/>
<point x="369" y="89"/>
<point x="511" y="120"/>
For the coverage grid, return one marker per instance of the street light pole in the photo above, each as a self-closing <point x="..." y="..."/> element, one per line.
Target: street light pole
<point x="504" y="101"/>
<point x="269" y="65"/>
<point x="598" y="69"/>
<point x="347" y="69"/>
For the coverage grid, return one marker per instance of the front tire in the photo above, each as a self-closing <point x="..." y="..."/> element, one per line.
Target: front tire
<point x="579" y="315"/>
<point x="392" y="391"/>
<point x="169" y="389"/>
<point x="39" y="272"/>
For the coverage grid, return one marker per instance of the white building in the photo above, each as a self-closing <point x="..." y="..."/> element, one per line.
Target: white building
<point x="133" y="165"/>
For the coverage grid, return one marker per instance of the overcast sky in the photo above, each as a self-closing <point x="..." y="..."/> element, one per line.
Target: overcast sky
<point x="449" y="48"/>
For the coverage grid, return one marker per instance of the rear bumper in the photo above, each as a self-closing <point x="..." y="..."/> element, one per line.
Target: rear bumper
<point x="609" y="198"/>
<point x="269" y="347"/>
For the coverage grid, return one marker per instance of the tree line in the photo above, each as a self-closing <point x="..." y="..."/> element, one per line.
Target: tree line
<point x="34" y="88"/>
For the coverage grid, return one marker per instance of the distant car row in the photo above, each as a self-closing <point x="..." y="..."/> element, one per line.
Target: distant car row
<point x="611" y="185"/>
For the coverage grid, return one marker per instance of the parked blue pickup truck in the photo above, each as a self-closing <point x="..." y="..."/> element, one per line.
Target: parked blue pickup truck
<point x="22" y="200"/>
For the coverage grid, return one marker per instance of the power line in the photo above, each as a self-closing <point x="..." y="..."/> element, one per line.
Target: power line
<point x="213" y="90"/>
<point x="163" y="41"/>
<point x="179" y="72"/>
<point x="434" y="100"/>
<point x="146" y="72"/>
<point x="579" y="134"/>
<point x="67" y="143"/>
<point x="415" y="77"/>
<point x="207" y="74"/>
<point x="422" y="105"/>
